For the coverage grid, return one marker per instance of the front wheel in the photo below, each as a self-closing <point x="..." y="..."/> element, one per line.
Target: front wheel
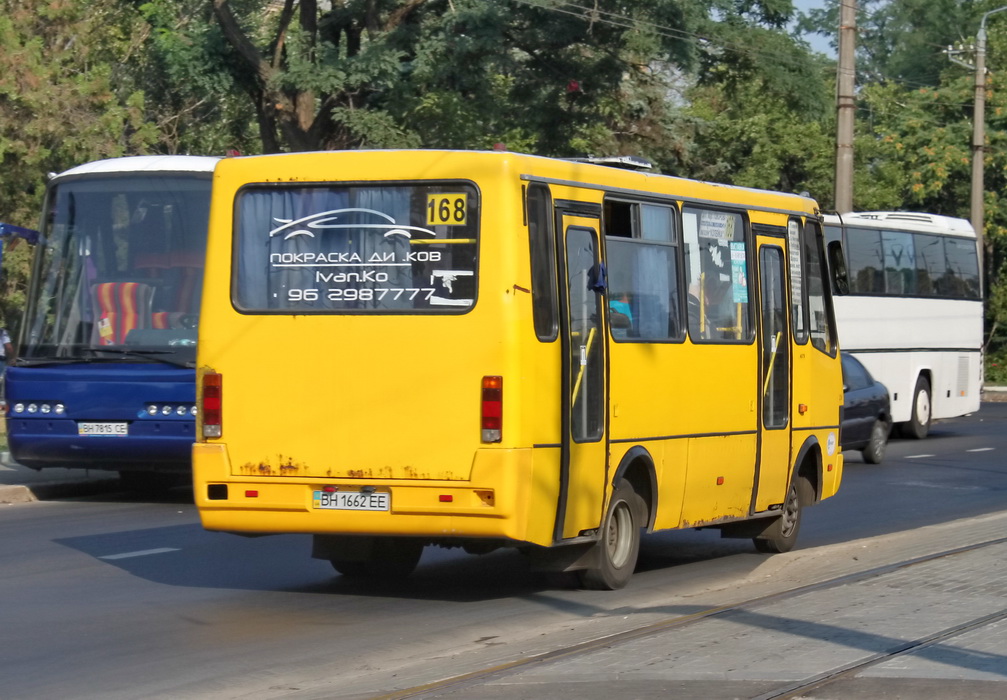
<point x="782" y="534"/>
<point x="619" y="546"/>
<point x="919" y="422"/>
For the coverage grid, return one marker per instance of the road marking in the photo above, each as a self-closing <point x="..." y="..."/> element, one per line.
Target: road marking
<point x="942" y="487"/>
<point x="916" y="456"/>
<point x="141" y="553"/>
<point x="982" y="449"/>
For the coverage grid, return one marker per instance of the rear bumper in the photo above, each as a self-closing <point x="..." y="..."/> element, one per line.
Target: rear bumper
<point x="41" y="443"/>
<point x="495" y="503"/>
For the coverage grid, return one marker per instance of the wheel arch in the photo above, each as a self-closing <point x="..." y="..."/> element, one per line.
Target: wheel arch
<point x="637" y="468"/>
<point x="808" y="464"/>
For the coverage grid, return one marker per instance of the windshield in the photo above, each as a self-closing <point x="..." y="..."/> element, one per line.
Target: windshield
<point x="356" y="249"/>
<point x="119" y="270"/>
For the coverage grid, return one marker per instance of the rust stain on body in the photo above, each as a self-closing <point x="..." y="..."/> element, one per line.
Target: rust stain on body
<point x="286" y="466"/>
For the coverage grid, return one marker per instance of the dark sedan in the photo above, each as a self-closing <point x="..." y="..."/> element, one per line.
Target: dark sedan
<point x="867" y="419"/>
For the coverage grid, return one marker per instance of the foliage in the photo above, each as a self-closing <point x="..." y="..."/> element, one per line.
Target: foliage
<point x="541" y="75"/>
<point x="196" y="105"/>
<point x="759" y="114"/>
<point x="58" y="107"/>
<point x="712" y="89"/>
<point x="913" y="151"/>
<point x="901" y="40"/>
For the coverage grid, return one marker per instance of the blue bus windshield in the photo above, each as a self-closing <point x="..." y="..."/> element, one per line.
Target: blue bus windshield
<point x="119" y="270"/>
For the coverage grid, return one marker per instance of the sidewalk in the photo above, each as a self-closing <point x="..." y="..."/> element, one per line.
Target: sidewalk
<point x="994" y="393"/>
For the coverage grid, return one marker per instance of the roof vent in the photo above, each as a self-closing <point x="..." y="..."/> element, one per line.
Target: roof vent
<point x="624" y="162"/>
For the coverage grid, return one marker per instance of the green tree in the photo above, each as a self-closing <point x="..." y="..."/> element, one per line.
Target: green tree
<point x="552" y="77"/>
<point x="771" y="147"/>
<point x="59" y="107"/>
<point x="760" y="111"/>
<point x="901" y="40"/>
<point x="197" y="105"/>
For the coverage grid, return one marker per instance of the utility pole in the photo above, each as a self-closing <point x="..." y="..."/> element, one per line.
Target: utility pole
<point x="979" y="140"/>
<point x="845" y="105"/>
<point x="977" y="208"/>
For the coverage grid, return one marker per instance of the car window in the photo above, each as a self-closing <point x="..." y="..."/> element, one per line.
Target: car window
<point x="854" y="375"/>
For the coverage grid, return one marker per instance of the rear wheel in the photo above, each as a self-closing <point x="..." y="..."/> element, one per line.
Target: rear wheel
<point x="619" y="546"/>
<point x="387" y="557"/>
<point x="782" y="534"/>
<point x="919" y="422"/>
<point x="875" y="450"/>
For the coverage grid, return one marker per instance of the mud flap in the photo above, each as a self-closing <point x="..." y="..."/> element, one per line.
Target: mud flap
<point x="747" y="529"/>
<point x="568" y="557"/>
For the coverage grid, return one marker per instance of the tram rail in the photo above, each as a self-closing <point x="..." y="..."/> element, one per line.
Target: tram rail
<point x="788" y="690"/>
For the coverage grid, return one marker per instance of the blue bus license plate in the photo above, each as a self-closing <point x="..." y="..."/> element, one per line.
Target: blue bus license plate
<point x="116" y="429"/>
<point x="351" y="500"/>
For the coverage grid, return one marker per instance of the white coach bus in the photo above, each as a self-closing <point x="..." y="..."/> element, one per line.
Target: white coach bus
<point x="914" y="315"/>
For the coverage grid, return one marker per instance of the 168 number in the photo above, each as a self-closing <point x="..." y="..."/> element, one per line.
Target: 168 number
<point x="446" y="209"/>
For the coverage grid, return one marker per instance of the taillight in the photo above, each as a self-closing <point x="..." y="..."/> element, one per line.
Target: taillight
<point x="492" y="409"/>
<point x="210" y="411"/>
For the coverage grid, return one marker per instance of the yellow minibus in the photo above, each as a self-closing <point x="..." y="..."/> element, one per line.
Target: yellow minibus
<point x="489" y="349"/>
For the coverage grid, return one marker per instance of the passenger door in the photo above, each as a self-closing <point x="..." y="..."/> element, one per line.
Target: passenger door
<point x="585" y="404"/>
<point x="775" y="360"/>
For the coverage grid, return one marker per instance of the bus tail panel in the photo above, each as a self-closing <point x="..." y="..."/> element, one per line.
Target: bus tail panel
<point x="494" y="503"/>
<point x="101" y="416"/>
<point x="356" y="410"/>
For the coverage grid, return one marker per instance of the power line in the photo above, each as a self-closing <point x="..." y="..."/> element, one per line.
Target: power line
<point x="599" y="16"/>
<point x="595" y="15"/>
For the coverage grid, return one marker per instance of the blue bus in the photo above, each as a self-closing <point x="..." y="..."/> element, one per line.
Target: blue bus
<point x="104" y="375"/>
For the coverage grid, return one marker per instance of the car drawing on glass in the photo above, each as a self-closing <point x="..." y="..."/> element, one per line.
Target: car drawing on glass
<point x="867" y="418"/>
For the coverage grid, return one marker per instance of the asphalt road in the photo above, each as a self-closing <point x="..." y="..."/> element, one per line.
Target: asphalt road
<point x="114" y="597"/>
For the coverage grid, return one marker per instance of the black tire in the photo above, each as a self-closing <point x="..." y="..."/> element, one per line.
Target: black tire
<point x="875" y="450"/>
<point x="619" y="546"/>
<point x="918" y="424"/>
<point x="782" y="534"/>
<point x="388" y="557"/>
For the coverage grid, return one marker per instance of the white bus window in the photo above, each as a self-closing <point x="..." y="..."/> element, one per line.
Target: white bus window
<point x="865" y="261"/>
<point x="900" y="263"/>
<point x="929" y="263"/>
<point x="961" y="274"/>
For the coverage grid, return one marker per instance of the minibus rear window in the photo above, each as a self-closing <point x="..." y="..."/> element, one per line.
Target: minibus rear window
<point x="356" y="249"/>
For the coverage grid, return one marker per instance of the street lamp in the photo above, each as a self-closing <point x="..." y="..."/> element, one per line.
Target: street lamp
<point x="979" y="135"/>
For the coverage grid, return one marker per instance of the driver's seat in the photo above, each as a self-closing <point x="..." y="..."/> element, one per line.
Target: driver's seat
<point x="119" y="308"/>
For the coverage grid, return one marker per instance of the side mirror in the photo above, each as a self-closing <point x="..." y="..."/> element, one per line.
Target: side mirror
<point x="837" y="266"/>
<point x="10" y="230"/>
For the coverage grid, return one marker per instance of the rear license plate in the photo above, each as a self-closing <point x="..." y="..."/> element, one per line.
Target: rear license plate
<point x="114" y="429"/>
<point x="351" y="500"/>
